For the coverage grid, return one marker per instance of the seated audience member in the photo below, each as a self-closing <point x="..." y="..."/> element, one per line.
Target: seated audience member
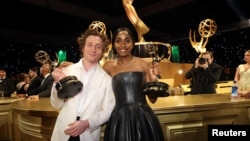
<point x="7" y="86"/>
<point x="22" y="85"/>
<point x="20" y="79"/>
<point x="242" y="76"/>
<point x="204" y="74"/>
<point x="44" y="89"/>
<point x="35" y="81"/>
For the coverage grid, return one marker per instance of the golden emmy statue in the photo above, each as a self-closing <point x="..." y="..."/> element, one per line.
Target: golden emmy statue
<point x="101" y="28"/>
<point x="140" y="27"/>
<point x="68" y="86"/>
<point x="43" y="57"/>
<point x="154" y="89"/>
<point x="98" y="26"/>
<point x="207" y="28"/>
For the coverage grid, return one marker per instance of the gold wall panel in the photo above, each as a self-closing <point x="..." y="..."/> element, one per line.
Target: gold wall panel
<point x="190" y="126"/>
<point x="6" y="132"/>
<point x="33" y="121"/>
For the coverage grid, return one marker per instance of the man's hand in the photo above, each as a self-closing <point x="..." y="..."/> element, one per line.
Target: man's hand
<point x="65" y="64"/>
<point x="21" y="96"/>
<point x="58" y="74"/>
<point x="204" y="66"/>
<point x="197" y="64"/>
<point x="33" y="98"/>
<point x="77" y="127"/>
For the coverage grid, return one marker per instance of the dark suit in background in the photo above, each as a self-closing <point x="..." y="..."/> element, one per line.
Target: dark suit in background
<point x="204" y="81"/>
<point x="45" y="87"/>
<point x="7" y="86"/>
<point x="204" y="74"/>
<point x="34" y="85"/>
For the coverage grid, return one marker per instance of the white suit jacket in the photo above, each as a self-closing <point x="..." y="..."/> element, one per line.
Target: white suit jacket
<point x="97" y="107"/>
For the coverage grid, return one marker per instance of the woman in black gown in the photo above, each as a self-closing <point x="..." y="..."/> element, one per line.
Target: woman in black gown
<point x="132" y="118"/>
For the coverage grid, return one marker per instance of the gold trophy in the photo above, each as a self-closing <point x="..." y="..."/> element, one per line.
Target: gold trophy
<point x="156" y="88"/>
<point x="68" y="86"/>
<point x="43" y="57"/>
<point x="206" y="29"/>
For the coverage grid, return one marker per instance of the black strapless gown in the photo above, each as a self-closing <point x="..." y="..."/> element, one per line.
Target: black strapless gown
<point x="132" y="119"/>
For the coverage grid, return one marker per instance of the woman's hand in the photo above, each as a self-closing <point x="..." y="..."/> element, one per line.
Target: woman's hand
<point x="242" y="93"/>
<point x="154" y="71"/>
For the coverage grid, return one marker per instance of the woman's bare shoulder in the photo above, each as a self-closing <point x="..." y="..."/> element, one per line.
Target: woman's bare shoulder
<point x="109" y="64"/>
<point x="140" y="59"/>
<point x="142" y="63"/>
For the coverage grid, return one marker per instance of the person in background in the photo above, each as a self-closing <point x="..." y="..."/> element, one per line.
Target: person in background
<point x="82" y="116"/>
<point x="242" y="76"/>
<point x="44" y="89"/>
<point x="20" y="79"/>
<point x="35" y="82"/>
<point x="132" y="118"/>
<point x="204" y="74"/>
<point x="23" y="80"/>
<point x="7" y="86"/>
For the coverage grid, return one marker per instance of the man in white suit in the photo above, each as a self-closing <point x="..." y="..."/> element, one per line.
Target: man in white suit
<point x="94" y="103"/>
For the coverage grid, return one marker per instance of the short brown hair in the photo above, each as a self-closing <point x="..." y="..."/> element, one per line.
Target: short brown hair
<point x="82" y="39"/>
<point x="208" y="52"/>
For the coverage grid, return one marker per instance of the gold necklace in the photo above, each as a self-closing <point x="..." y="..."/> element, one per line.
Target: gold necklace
<point x="127" y="63"/>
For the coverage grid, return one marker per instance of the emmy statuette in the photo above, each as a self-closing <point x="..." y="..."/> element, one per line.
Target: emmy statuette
<point x="155" y="88"/>
<point x="68" y="86"/>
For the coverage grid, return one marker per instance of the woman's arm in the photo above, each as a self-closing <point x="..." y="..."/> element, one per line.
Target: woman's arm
<point x="153" y="71"/>
<point x="237" y="74"/>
